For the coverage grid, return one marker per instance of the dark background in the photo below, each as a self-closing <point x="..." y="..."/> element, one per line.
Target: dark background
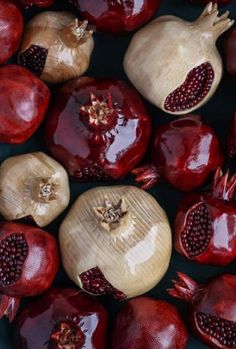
<point x="107" y="62"/>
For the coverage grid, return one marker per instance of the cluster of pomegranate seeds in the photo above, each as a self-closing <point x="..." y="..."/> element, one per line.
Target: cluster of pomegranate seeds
<point x="198" y="231"/>
<point x="195" y="88"/>
<point x="13" y="252"/>
<point x="34" y="59"/>
<point x="67" y="334"/>
<point x="222" y="330"/>
<point x="94" y="282"/>
<point x="92" y="173"/>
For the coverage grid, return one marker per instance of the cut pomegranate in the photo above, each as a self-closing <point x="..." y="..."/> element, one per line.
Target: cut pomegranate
<point x="34" y="59"/>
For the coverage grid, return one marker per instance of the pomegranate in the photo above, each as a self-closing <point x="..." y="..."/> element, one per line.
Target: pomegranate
<point x="185" y="148"/>
<point x="64" y="318"/>
<point x="24" y="100"/>
<point x="212" y="308"/>
<point x="11" y="29"/>
<point x="232" y="138"/>
<point x="230" y="52"/>
<point x="175" y="64"/>
<point x="205" y="2"/>
<point x="39" y="3"/>
<point x="148" y="323"/>
<point x="29" y="261"/>
<point x="98" y="129"/>
<point x="117" y="15"/>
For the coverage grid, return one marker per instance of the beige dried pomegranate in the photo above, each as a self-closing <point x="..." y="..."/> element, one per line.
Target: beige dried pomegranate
<point x="174" y="63"/>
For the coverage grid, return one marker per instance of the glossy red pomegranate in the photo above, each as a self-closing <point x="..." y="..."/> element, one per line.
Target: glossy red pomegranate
<point x="62" y="319"/>
<point x="232" y="138"/>
<point x="204" y="2"/>
<point x="98" y="129"/>
<point x="148" y="323"/>
<point x="117" y="15"/>
<point x="212" y="308"/>
<point x="205" y="226"/>
<point x="185" y="152"/>
<point x="24" y="100"/>
<point x="29" y="261"/>
<point x="39" y="3"/>
<point x="230" y="52"/>
<point x="11" y="29"/>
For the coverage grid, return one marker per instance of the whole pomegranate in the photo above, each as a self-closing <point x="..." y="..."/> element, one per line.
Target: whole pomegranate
<point x="205" y="2"/>
<point x="24" y="100"/>
<point x="11" y="29"/>
<point x="230" y="52"/>
<point x="148" y="323"/>
<point x="39" y="3"/>
<point x="64" y="318"/>
<point x="117" y="15"/>
<point x="205" y="226"/>
<point x="185" y="152"/>
<point x="29" y="261"/>
<point x="212" y="308"/>
<point x="98" y="129"/>
<point x="232" y="138"/>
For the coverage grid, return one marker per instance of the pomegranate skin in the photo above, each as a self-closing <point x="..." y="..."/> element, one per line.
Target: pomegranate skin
<point x="98" y="129"/>
<point x="232" y="139"/>
<point x="185" y="148"/>
<point x="230" y="52"/>
<point x="39" y="3"/>
<point x="148" y="323"/>
<point x="212" y="308"/>
<point x="11" y="29"/>
<point x="205" y="2"/>
<point x="117" y="16"/>
<point x="38" y="320"/>
<point x="24" y="100"/>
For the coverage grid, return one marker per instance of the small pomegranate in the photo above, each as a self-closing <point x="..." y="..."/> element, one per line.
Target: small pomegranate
<point x="205" y="226"/>
<point x="24" y="100"/>
<point x="232" y="139"/>
<point x="11" y="29"/>
<point x="117" y="15"/>
<point x="98" y="129"/>
<point x="29" y="261"/>
<point x="39" y="3"/>
<point x="230" y="52"/>
<point x="205" y="2"/>
<point x="185" y="148"/>
<point x="175" y="64"/>
<point x="212" y="308"/>
<point x="64" y="318"/>
<point x="148" y="323"/>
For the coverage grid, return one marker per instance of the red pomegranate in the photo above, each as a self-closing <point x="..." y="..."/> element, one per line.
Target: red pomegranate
<point x="62" y="319"/>
<point x="29" y="261"/>
<point x="39" y="3"/>
<point x="117" y="15"/>
<point x="148" y="323"/>
<point x="98" y="129"/>
<point x="185" y="152"/>
<point x="205" y="2"/>
<point x="24" y="100"/>
<point x="232" y="139"/>
<point x="205" y="226"/>
<point x="212" y="308"/>
<point x="11" y="29"/>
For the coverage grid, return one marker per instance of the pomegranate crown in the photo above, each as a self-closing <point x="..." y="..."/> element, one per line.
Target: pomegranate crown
<point x="224" y="186"/>
<point x="184" y="288"/>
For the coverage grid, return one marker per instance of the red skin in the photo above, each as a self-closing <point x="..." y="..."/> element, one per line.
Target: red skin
<point x="230" y="52"/>
<point x="77" y="144"/>
<point x="205" y="2"/>
<point x="24" y="100"/>
<point x="39" y="3"/>
<point x="148" y="323"/>
<point x="232" y="138"/>
<point x="11" y="29"/>
<point x="37" y="320"/>
<point x="117" y="16"/>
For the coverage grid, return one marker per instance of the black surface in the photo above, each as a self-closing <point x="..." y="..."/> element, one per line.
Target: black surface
<point x="107" y="62"/>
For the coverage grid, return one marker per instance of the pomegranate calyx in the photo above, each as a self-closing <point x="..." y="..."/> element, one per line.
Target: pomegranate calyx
<point x="147" y="175"/>
<point x="224" y="186"/>
<point x="9" y="306"/>
<point x="67" y="335"/>
<point x="184" y="288"/>
<point x="47" y="190"/>
<point x="76" y="33"/>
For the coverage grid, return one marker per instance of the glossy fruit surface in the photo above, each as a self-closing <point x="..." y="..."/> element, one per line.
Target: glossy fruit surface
<point x="62" y="319"/>
<point x="97" y="129"/>
<point x="148" y="323"/>
<point x="230" y="52"/>
<point x="39" y="3"/>
<point x="24" y="100"/>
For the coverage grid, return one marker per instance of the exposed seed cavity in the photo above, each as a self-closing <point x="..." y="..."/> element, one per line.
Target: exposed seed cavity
<point x="91" y="173"/>
<point x="222" y="330"/>
<point x="195" y="88"/>
<point x="34" y="59"/>
<point x="65" y="335"/>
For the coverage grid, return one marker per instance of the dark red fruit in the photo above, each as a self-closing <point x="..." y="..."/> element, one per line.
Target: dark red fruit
<point x="98" y="129"/>
<point x="39" y="3"/>
<point x="205" y="2"/>
<point x="117" y="15"/>
<point x="148" y="323"/>
<point x="62" y="319"/>
<point x="205" y="225"/>
<point x="232" y="139"/>
<point x="230" y="52"/>
<point x="212" y="308"/>
<point x="24" y="100"/>
<point x="11" y="29"/>
<point x="29" y="261"/>
<point x="185" y="152"/>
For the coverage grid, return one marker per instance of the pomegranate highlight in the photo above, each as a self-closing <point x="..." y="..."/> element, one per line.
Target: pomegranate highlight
<point x="185" y="67"/>
<point x="230" y="52"/>
<point x="212" y="308"/>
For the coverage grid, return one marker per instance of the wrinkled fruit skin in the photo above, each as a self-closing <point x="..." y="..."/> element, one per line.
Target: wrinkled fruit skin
<point x="71" y="308"/>
<point x="117" y="16"/>
<point x="39" y="3"/>
<point x="146" y="323"/>
<point x="92" y="148"/>
<point x="205" y="2"/>
<point x="11" y="29"/>
<point x="24" y="100"/>
<point x="230" y="52"/>
<point x="232" y="138"/>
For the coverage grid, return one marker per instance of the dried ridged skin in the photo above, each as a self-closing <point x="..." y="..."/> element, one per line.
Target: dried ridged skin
<point x="68" y="55"/>
<point x="24" y="191"/>
<point x="133" y="254"/>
